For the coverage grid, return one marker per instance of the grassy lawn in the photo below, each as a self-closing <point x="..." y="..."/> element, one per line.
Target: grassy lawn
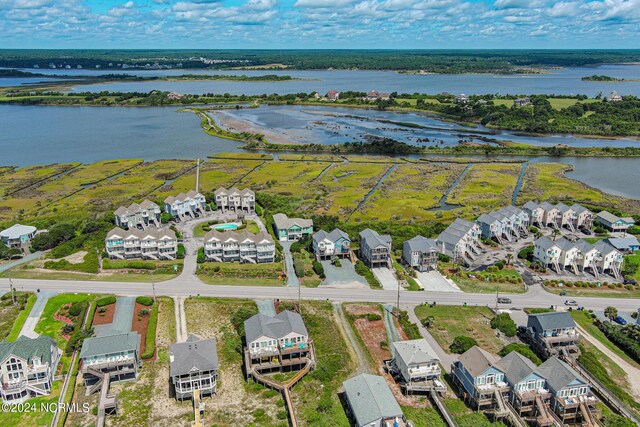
<point x="465" y="417"/>
<point x="49" y="326"/>
<point x="423" y="417"/>
<point x="486" y="186"/>
<point x="18" y="322"/>
<point x="635" y="257"/>
<point x="583" y="318"/>
<point x="233" y="273"/>
<point x="285" y="178"/>
<point x="238" y="402"/>
<point x="138" y="276"/>
<point x="35" y="417"/>
<point x="500" y="279"/>
<point x="315" y="397"/>
<point x="12" y="317"/>
<point x="409" y="192"/>
<point x="603" y="292"/>
<point x="242" y="156"/>
<point x="452" y="321"/>
<point x="557" y="103"/>
<point x="200" y="229"/>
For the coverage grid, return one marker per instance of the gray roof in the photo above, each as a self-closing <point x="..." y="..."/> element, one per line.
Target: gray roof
<point x="275" y="327"/>
<point x="487" y="218"/>
<point x="27" y="348"/>
<point x="579" y="208"/>
<point x="565" y="244"/>
<point x="98" y="346"/>
<point x="555" y="320"/>
<point x="332" y="236"/>
<point x="604" y="247"/>
<point x="608" y="216"/>
<point x="233" y="191"/>
<point x="462" y="225"/>
<point x="415" y="351"/>
<point x="164" y="233"/>
<point x="227" y="236"/>
<point x="531" y="205"/>
<point x="374" y="239"/>
<point x="623" y="243"/>
<point x="584" y="246"/>
<point x="563" y="208"/>
<point x="191" y="194"/>
<point x="547" y="206"/>
<point x="450" y="237"/>
<point x="371" y="399"/>
<point x="283" y="222"/>
<point x="195" y="354"/>
<point x="421" y="244"/>
<point x="516" y="367"/>
<point x="17" y="230"/>
<point x="545" y="243"/>
<point x="476" y="360"/>
<point x="558" y="374"/>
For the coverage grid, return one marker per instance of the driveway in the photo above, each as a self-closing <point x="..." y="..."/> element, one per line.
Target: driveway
<point x="387" y="278"/>
<point x="292" y="279"/>
<point x="266" y="307"/>
<point x="30" y="257"/>
<point x="28" y="329"/>
<point x="344" y="276"/>
<point x="122" y="318"/>
<point x="434" y="281"/>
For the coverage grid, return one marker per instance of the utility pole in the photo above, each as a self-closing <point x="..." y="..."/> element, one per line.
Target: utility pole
<point x="13" y="295"/>
<point x="153" y="287"/>
<point x="197" y="175"/>
<point x="497" y="294"/>
<point x="299" y="299"/>
<point x="398" y="303"/>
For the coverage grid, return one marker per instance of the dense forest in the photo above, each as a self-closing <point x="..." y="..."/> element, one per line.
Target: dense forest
<point x="437" y="61"/>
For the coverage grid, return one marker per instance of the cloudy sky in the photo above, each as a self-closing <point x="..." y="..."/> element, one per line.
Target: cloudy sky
<point x="425" y="24"/>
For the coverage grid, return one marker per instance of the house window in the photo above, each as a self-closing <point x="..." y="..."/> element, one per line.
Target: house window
<point x="480" y="380"/>
<point x="491" y="378"/>
<point x="583" y="391"/>
<point x="531" y="384"/>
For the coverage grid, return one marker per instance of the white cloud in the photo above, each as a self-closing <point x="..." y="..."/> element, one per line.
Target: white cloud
<point x="322" y="3"/>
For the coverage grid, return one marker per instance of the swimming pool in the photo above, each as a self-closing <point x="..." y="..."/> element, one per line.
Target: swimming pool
<point x="227" y="226"/>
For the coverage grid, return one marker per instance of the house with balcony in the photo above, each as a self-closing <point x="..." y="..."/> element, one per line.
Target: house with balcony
<point x="548" y="253"/>
<point x="27" y="368"/>
<point x="421" y="253"/>
<point x="277" y="343"/>
<point x="193" y="365"/>
<point x="369" y="402"/>
<point x="535" y="213"/>
<point x="569" y="256"/>
<point x="571" y="397"/>
<point x="461" y="239"/>
<point x="481" y="381"/>
<point x="245" y="247"/>
<point x="553" y="334"/>
<point x="291" y="229"/>
<point x="234" y="200"/>
<point x="185" y="206"/>
<point x="490" y="226"/>
<point x="117" y="356"/>
<point x="335" y="244"/>
<point x="625" y="245"/>
<point x="149" y="244"/>
<point x="415" y="366"/>
<point x="375" y="249"/>
<point x="18" y="236"/>
<point x="550" y="215"/>
<point x="588" y="258"/>
<point x="583" y="217"/>
<point x="613" y="222"/>
<point x="610" y="261"/>
<point x="527" y="395"/>
<point x="333" y="95"/>
<point x="566" y="216"/>
<point x="137" y="215"/>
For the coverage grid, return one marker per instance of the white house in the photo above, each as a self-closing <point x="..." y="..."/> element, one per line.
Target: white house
<point x="242" y="247"/>
<point x="610" y="259"/>
<point x="138" y="215"/>
<point x="192" y="204"/>
<point x="415" y="360"/>
<point x="152" y="243"/>
<point x="547" y="252"/>
<point x="239" y="201"/>
<point x="535" y="212"/>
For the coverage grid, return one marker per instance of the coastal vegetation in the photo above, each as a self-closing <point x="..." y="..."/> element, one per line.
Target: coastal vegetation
<point x="603" y="78"/>
<point x="432" y="61"/>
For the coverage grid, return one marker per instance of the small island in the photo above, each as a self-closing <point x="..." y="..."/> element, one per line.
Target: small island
<point x="596" y="78"/>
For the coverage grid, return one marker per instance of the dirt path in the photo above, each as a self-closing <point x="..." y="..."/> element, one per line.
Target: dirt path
<point x="181" y="320"/>
<point x="356" y="351"/>
<point x="633" y="373"/>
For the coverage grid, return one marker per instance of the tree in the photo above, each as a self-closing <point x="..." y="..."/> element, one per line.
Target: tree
<point x="509" y="258"/>
<point x="462" y="343"/>
<point x="504" y="324"/>
<point x="611" y="312"/>
<point x="555" y="233"/>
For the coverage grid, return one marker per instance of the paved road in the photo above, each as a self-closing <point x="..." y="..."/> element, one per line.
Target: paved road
<point x="30" y="257"/>
<point x="292" y="279"/>
<point x="535" y="296"/>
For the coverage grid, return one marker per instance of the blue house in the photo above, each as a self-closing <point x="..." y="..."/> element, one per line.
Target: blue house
<point x="480" y="380"/>
<point x="572" y="399"/>
<point x="291" y="229"/>
<point x="624" y="244"/>
<point x="614" y="222"/>
<point x="329" y="245"/>
<point x="490" y="226"/>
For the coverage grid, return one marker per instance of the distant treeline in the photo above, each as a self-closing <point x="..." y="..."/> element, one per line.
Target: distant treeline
<point x="436" y="61"/>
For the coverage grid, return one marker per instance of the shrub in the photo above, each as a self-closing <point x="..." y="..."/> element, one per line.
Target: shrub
<point x="523" y="349"/>
<point x="146" y="301"/>
<point x="526" y="253"/>
<point x="365" y="272"/>
<point x="77" y="308"/>
<point x="462" y="343"/>
<point x="143" y="313"/>
<point x="68" y="328"/>
<point x="372" y="317"/>
<point x="337" y="263"/>
<point x="298" y="267"/>
<point x="180" y="252"/>
<point x="318" y="268"/>
<point x="150" y="343"/>
<point x="165" y="217"/>
<point x="201" y="257"/>
<point x="238" y="318"/>
<point x="504" y="324"/>
<point x="409" y="328"/>
<point x="621" y="336"/>
<point x="106" y="301"/>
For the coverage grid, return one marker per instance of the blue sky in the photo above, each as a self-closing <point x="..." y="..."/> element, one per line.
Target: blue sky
<point x="274" y="24"/>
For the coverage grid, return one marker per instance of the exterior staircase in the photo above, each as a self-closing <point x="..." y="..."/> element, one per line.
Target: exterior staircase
<point x="556" y="266"/>
<point x="615" y="271"/>
<point x="543" y="419"/>
<point x="594" y="268"/>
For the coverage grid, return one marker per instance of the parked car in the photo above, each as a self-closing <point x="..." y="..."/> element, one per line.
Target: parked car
<point x="620" y="320"/>
<point x="587" y="231"/>
<point x="504" y="300"/>
<point x="571" y="302"/>
<point x="630" y="282"/>
<point x="563" y="293"/>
